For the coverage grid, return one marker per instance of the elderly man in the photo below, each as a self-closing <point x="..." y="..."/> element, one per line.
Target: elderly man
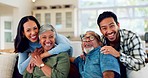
<point x="95" y="64"/>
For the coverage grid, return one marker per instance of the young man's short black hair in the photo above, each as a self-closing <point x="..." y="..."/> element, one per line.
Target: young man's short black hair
<point x="106" y="14"/>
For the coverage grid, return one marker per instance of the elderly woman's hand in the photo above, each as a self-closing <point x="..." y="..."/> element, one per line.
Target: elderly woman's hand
<point x="37" y="60"/>
<point x="37" y="51"/>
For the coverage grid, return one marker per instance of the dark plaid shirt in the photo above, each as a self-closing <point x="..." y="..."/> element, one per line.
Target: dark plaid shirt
<point x="132" y="54"/>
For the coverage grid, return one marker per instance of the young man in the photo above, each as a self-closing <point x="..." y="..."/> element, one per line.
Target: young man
<point x="123" y="44"/>
<point x="96" y="64"/>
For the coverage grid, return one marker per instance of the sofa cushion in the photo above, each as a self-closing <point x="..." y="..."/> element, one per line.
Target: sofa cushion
<point x="7" y="61"/>
<point x="138" y="74"/>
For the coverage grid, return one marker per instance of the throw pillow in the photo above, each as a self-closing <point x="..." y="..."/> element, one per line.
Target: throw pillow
<point x="7" y="61"/>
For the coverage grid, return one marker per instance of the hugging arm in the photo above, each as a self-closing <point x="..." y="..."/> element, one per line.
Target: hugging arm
<point x="23" y="62"/>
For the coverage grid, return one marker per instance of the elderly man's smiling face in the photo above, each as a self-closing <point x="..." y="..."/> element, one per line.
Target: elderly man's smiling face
<point x="90" y="41"/>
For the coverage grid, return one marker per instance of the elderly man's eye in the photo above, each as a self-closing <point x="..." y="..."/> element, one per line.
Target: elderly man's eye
<point x="91" y="37"/>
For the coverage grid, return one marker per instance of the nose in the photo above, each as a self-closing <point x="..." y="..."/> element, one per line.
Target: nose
<point x="33" y="32"/>
<point x="87" y="39"/>
<point x="48" y="39"/>
<point x="109" y="30"/>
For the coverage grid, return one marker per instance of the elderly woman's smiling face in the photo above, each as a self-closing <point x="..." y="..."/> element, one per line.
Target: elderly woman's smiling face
<point x="47" y="40"/>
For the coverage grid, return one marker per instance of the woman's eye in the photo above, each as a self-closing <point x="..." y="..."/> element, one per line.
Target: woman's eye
<point x="35" y="28"/>
<point x="27" y="30"/>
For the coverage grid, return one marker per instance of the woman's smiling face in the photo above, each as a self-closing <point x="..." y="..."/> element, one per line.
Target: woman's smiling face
<point x="31" y="31"/>
<point x="47" y="40"/>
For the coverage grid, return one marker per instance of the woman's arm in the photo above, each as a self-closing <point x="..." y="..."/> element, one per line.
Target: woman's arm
<point x="23" y="62"/>
<point x="63" y="45"/>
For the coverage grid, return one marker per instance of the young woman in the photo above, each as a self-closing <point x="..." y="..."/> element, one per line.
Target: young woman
<point x="26" y="41"/>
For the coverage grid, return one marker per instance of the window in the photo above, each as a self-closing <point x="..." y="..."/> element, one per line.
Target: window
<point x="8" y="31"/>
<point x="68" y="19"/>
<point x="38" y="17"/>
<point x="58" y="20"/>
<point x="132" y="14"/>
<point x="47" y="18"/>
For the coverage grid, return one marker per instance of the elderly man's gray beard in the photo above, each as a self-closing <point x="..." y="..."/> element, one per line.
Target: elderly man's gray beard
<point x="87" y="50"/>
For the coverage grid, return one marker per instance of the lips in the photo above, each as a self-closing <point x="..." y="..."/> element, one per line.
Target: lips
<point x="35" y="37"/>
<point x="48" y="46"/>
<point x="88" y="45"/>
<point x="111" y="35"/>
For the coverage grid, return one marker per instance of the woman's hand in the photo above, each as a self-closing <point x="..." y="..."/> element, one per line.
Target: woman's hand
<point x="37" y="51"/>
<point x="30" y="66"/>
<point x="37" y="60"/>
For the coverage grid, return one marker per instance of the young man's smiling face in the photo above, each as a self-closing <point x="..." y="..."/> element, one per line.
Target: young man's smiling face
<point x="109" y="28"/>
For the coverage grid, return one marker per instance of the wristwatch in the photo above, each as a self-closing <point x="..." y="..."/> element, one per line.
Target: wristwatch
<point x="41" y="65"/>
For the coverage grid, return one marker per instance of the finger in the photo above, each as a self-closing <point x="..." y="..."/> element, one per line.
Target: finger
<point x="35" y="57"/>
<point x="106" y="53"/>
<point x="103" y="51"/>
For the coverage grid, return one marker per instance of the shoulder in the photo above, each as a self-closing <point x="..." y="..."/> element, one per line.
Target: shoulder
<point x="108" y="58"/>
<point x="127" y="34"/>
<point x="109" y="62"/>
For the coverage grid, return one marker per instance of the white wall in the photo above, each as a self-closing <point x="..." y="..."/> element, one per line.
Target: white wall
<point x="16" y="9"/>
<point x="77" y="50"/>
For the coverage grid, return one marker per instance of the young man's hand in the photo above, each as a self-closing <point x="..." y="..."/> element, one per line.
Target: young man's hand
<point x="110" y="50"/>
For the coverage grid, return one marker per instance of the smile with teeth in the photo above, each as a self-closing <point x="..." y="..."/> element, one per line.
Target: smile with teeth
<point x="33" y="37"/>
<point x="48" y="44"/>
<point x="111" y="35"/>
<point x="88" y="45"/>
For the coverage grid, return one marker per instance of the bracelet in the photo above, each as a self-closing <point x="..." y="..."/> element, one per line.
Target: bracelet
<point x="41" y="65"/>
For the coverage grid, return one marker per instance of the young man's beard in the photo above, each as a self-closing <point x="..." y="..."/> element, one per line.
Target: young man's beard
<point x="87" y="50"/>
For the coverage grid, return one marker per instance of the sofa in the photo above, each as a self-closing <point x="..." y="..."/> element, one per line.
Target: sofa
<point x="8" y="66"/>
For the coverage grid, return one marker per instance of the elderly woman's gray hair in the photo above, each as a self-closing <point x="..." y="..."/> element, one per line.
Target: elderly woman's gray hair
<point x="46" y="27"/>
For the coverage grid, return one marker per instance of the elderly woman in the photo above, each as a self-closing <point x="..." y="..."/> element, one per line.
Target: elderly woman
<point x="55" y="66"/>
